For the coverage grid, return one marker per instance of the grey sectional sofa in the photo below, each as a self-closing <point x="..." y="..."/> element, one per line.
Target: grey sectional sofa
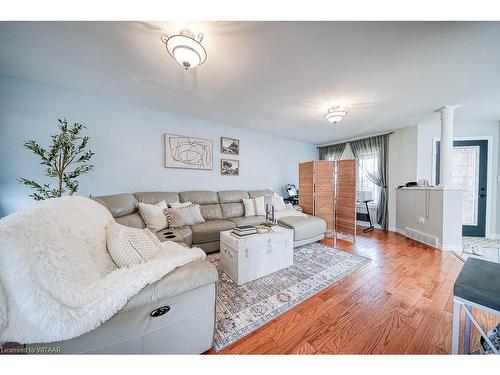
<point x="222" y="210"/>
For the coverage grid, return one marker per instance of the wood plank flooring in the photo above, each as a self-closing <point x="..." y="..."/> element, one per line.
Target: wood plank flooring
<point x="399" y="303"/>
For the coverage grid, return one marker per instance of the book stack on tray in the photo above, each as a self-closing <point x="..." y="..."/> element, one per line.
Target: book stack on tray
<point x="244" y="230"/>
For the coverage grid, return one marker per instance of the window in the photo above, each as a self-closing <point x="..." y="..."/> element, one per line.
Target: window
<point x="466" y="176"/>
<point x="364" y="182"/>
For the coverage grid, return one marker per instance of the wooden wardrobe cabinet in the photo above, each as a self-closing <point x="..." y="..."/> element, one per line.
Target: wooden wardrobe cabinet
<point x="327" y="189"/>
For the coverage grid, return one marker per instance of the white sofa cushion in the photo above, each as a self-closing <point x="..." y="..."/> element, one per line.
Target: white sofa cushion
<point x="154" y="215"/>
<point x="254" y="206"/>
<point x="129" y="246"/>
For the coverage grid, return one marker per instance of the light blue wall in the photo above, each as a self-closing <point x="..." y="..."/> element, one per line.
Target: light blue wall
<point x="128" y="142"/>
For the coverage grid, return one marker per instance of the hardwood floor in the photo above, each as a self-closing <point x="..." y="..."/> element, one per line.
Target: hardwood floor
<point x="400" y="302"/>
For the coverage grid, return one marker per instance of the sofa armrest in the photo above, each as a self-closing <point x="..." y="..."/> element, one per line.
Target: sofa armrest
<point x="191" y="276"/>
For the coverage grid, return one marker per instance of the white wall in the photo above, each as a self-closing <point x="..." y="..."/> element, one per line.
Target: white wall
<point x="402" y="164"/>
<point x="128" y="142"/>
<point x="428" y="132"/>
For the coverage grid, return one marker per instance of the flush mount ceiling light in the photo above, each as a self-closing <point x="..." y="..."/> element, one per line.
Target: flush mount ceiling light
<point x="336" y="113"/>
<point x="185" y="48"/>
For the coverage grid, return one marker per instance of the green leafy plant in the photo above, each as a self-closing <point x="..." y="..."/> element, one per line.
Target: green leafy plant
<point x="66" y="159"/>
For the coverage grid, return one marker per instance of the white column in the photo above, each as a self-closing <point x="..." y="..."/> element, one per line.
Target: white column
<point x="446" y="150"/>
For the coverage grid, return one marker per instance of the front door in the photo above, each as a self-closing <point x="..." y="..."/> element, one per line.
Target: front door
<point x="470" y="164"/>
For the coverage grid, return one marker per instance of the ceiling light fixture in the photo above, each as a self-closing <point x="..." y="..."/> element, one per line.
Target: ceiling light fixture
<point x="185" y="48"/>
<point x="336" y="113"/>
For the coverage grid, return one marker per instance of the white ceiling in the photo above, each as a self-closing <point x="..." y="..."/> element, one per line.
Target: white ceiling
<point x="273" y="77"/>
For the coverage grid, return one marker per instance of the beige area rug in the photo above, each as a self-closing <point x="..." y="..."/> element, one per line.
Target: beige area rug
<point x="245" y="308"/>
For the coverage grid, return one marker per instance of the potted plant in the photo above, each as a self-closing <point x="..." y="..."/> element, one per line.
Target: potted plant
<point x="66" y="159"/>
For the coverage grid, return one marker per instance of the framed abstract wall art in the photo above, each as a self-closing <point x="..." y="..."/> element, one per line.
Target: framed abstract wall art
<point x="188" y="152"/>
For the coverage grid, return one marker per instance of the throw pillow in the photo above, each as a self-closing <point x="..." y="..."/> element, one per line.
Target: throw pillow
<point x="254" y="206"/>
<point x="184" y="216"/>
<point x="154" y="215"/>
<point x="129" y="246"/>
<point x="278" y="203"/>
<point x="179" y="205"/>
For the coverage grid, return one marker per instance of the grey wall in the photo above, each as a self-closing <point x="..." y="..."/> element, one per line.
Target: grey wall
<point x="128" y="142"/>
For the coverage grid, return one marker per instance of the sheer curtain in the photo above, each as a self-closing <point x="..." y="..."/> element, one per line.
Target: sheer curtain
<point x="333" y="152"/>
<point x="371" y="155"/>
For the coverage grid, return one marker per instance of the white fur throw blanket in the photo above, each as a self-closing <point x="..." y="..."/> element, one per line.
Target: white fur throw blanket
<point x="57" y="280"/>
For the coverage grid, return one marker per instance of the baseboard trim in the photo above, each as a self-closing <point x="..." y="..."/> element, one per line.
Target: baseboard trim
<point x="442" y="247"/>
<point x="399" y="231"/>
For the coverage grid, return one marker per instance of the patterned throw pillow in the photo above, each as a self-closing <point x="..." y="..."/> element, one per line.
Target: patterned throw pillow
<point x="129" y="246"/>
<point x="154" y="215"/>
<point x="184" y="216"/>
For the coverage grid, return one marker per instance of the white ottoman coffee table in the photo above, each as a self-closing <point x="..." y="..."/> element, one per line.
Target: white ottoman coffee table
<point x="249" y="258"/>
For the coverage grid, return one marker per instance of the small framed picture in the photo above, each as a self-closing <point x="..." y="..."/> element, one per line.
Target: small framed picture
<point x="229" y="167"/>
<point x="229" y="146"/>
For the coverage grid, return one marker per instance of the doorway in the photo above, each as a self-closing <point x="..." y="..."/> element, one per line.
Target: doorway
<point x="470" y="172"/>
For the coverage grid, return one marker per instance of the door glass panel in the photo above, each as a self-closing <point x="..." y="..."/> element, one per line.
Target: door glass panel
<point x="466" y="176"/>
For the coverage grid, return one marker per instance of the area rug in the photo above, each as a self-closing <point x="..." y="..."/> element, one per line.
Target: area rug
<point x="490" y="249"/>
<point x="245" y="308"/>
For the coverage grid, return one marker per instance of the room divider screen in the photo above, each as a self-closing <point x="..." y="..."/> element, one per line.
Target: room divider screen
<point x="346" y="197"/>
<point x="327" y="189"/>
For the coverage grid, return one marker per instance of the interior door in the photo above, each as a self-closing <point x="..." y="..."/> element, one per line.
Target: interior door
<point x="470" y="165"/>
